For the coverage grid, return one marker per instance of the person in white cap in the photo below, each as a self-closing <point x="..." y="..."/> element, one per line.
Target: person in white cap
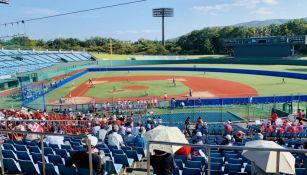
<point x="129" y="138"/>
<point x="81" y="158"/>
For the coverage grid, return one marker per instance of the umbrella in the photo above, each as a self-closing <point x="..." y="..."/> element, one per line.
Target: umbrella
<point x="266" y="160"/>
<point x="167" y="134"/>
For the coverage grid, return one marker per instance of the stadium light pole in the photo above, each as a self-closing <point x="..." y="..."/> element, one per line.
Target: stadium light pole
<point x="162" y="13"/>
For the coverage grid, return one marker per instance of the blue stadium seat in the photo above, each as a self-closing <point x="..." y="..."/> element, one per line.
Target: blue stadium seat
<point x="55" y="159"/>
<point x="199" y="158"/>
<point x="132" y="154"/>
<point x="123" y="159"/>
<point x="191" y="171"/>
<point x="34" y="149"/>
<point x="233" y="156"/>
<point x="21" y="148"/>
<point x="140" y="150"/>
<point x="9" y="154"/>
<point x="8" y="146"/>
<point x="216" y="166"/>
<point x="215" y="155"/>
<point x="125" y="148"/>
<point x="48" y="151"/>
<point x="111" y="147"/>
<point x="62" y="152"/>
<point x="50" y="169"/>
<point x="63" y="170"/>
<point x="181" y="157"/>
<point x="300" y="171"/>
<point x="11" y="166"/>
<point x="237" y="173"/>
<point x="105" y="150"/>
<point x="232" y="167"/>
<point x="27" y="167"/>
<point x="193" y="164"/>
<point x="117" y="151"/>
<point x="82" y="171"/>
<point x="235" y="161"/>
<point x="67" y="147"/>
<point x="79" y="148"/>
<point x="112" y="168"/>
<point x="215" y="172"/>
<point x="18" y="142"/>
<point x="179" y="164"/>
<point x="54" y="146"/>
<point x="248" y="168"/>
<point x="23" y="155"/>
<point x="217" y="160"/>
<point x="37" y="157"/>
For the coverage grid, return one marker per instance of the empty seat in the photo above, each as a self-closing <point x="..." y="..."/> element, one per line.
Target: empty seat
<point x="248" y="168"/>
<point x="18" y="142"/>
<point x="181" y="157"/>
<point x="140" y="150"/>
<point x="55" y="159"/>
<point x="215" y="172"/>
<point x="193" y="164"/>
<point x="232" y="167"/>
<point x="199" y="158"/>
<point x="8" y="146"/>
<point x="9" y="154"/>
<point x="54" y="146"/>
<point x="50" y="169"/>
<point x="62" y="152"/>
<point x="37" y="157"/>
<point x="21" y="148"/>
<point x="179" y="164"/>
<point x="67" y="147"/>
<point x="11" y="166"/>
<point x="123" y="159"/>
<point x="216" y="166"/>
<point x="112" y="168"/>
<point x="34" y="149"/>
<point x="235" y="161"/>
<point x="27" y="167"/>
<point x="125" y="148"/>
<point x="191" y="171"/>
<point x="300" y="171"/>
<point x="132" y="154"/>
<point x="48" y="151"/>
<point x="117" y="151"/>
<point x="217" y="160"/>
<point x="23" y="155"/>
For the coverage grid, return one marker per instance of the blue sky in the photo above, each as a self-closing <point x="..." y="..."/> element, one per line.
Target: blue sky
<point x="135" y="21"/>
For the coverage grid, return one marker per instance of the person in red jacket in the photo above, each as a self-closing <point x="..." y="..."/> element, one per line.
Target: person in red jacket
<point x="293" y="130"/>
<point x="280" y="131"/>
<point x="228" y="129"/>
<point x="299" y="115"/>
<point x="269" y="128"/>
<point x="274" y="117"/>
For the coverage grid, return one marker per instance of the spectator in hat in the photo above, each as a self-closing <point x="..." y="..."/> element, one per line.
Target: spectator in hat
<point x="80" y="158"/>
<point x="114" y="138"/>
<point x="129" y="138"/>
<point x="198" y="139"/>
<point x="258" y="135"/>
<point x="163" y="163"/>
<point x="228" y="128"/>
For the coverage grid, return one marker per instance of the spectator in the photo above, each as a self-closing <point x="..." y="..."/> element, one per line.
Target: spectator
<point x="286" y="125"/>
<point x="185" y="150"/>
<point x="163" y="163"/>
<point x="280" y="131"/>
<point x="55" y="139"/>
<point x="299" y="115"/>
<point x="239" y="136"/>
<point x="228" y="129"/>
<point x="198" y="139"/>
<point x="129" y="138"/>
<point x="227" y="141"/>
<point x="139" y="140"/>
<point x="258" y="135"/>
<point x="80" y="159"/>
<point x="199" y="121"/>
<point x="187" y="126"/>
<point x="303" y="114"/>
<point x="269" y="128"/>
<point x="293" y="131"/>
<point x="300" y="127"/>
<point x="274" y="117"/>
<point x="114" y="138"/>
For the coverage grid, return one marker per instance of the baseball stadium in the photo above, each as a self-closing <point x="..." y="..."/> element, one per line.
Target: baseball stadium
<point x="207" y="102"/>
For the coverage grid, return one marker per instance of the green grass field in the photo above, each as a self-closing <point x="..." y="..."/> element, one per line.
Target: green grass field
<point x="155" y="88"/>
<point x="265" y="85"/>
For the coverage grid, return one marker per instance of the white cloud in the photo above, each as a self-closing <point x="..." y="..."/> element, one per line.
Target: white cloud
<point x="40" y="12"/>
<point x="262" y="11"/>
<point x="234" y="4"/>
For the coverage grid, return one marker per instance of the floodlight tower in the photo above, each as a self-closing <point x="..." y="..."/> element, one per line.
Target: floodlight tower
<point x="4" y="1"/>
<point x="163" y="12"/>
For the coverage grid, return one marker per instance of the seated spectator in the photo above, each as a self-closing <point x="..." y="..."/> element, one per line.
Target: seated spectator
<point x="129" y="138"/>
<point x="227" y="141"/>
<point x="199" y="121"/>
<point x="80" y="159"/>
<point x="286" y="124"/>
<point x="300" y="126"/>
<point x="163" y="163"/>
<point x="55" y="139"/>
<point x="269" y="128"/>
<point x="293" y="131"/>
<point x="239" y="136"/>
<point x="198" y="139"/>
<point x="228" y="129"/>
<point x="258" y="135"/>
<point x="280" y="131"/>
<point x="139" y="140"/>
<point x="114" y="138"/>
<point x="185" y="150"/>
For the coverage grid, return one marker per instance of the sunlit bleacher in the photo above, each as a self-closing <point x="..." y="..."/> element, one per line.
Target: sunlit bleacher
<point x="20" y="61"/>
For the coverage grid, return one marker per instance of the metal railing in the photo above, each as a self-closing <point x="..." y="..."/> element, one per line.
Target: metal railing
<point x="42" y="134"/>
<point x="209" y="147"/>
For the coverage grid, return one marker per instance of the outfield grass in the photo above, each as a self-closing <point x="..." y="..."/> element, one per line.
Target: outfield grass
<point x="265" y="85"/>
<point x="155" y="88"/>
<point x="129" y="57"/>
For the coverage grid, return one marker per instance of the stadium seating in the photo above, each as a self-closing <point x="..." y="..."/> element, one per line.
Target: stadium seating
<point x="17" y="61"/>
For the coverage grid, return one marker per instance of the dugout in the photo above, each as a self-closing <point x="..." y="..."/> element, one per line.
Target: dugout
<point x="275" y="46"/>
